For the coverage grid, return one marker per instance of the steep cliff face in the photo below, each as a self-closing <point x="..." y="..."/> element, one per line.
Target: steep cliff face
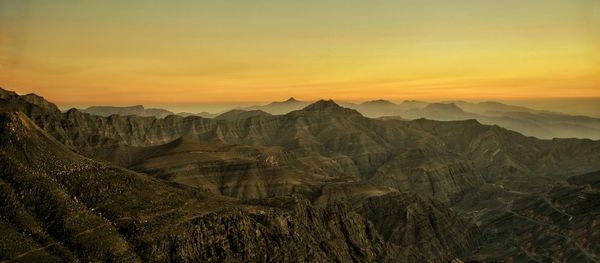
<point x="420" y="225"/>
<point x="60" y="206"/>
<point x="301" y="234"/>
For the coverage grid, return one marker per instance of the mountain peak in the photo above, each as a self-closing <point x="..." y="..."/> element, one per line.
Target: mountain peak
<point x="6" y="93"/>
<point x="292" y="99"/>
<point x="378" y="102"/>
<point x="449" y="107"/>
<point x="237" y="114"/>
<point x="323" y="104"/>
<point x="328" y="107"/>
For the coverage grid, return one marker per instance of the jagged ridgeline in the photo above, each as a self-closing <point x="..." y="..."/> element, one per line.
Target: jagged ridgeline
<point x="319" y="184"/>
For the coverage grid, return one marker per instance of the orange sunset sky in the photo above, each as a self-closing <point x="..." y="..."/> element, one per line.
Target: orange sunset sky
<point x="177" y="52"/>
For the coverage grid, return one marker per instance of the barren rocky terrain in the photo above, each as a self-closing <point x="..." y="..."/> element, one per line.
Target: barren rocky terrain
<point x="320" y="184"/>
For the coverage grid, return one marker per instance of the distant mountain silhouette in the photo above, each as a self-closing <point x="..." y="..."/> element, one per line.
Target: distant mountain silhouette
<point x="236" y="115"/>
<point x="201" y="114"/>
<point x="138" y="110"/>
<point x="541" y="124"/>
<point x="280" y="107"/>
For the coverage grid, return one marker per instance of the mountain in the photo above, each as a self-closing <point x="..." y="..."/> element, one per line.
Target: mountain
<point x="541" y="124"/>
<point x="439" y="111"/>
<point x="342" y="141"/>
<point x="236" y="115"/>
<point x="413" y="104"/>
<point x="59" y="206"/>
<point x="138" y="110"/>
<point x="201" y="114"/>
<point x="381" y="108"/>
<point x="30" y="104"/>
<point x="328" y="155"/>
<point x="377" y="108"/>
<point x="280" y="107"/>
<point x="493" y="107"/>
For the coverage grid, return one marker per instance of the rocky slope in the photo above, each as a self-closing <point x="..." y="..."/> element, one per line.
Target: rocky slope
<point x="327" y="155"/>
<point x="243" y="172"/>
<point x="559" y="224"/>
<point x="60" y="206"/>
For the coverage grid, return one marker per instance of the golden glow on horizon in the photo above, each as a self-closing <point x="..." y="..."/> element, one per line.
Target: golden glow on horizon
<point x="207" y="51"/>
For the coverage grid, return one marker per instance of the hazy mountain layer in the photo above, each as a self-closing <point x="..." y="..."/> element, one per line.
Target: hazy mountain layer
<point x="236" y="115"/>
<point x="530" y="122"/>
<point x="541" y="124"/>
<point x="280" y="107"/>
<point x="138" y="110"/>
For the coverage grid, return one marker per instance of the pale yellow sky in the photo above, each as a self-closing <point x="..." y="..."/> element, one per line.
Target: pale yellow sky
<point x="177" y="52"/>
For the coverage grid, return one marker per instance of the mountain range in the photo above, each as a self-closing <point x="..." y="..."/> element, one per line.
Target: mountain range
<point x="530" y="122"/>
<point x="320" y="183"/>
<point x="138" y="110"/>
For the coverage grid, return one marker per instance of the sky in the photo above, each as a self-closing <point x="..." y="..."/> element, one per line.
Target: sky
<point x="182" y="52"/>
